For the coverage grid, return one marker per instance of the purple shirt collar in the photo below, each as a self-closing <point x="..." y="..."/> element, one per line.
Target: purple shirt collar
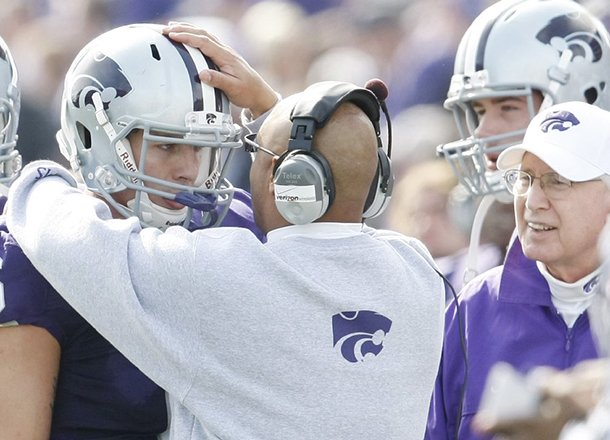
<point x="522" y="272"/>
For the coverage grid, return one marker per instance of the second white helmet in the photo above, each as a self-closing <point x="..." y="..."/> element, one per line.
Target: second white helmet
<point x="513" y="48"/>
<point x="10" y="102"/>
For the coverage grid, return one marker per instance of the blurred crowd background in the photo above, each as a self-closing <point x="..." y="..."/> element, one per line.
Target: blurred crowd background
<point x="410" y="44"/>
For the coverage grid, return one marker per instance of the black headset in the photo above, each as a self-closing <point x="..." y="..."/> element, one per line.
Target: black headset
<point x="303" y="181"/>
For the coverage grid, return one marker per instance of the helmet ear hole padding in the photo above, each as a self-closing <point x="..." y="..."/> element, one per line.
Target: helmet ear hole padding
<point x="10" y="104"/>
<point x="591" y="95"/>
<point x="84" y="135"/>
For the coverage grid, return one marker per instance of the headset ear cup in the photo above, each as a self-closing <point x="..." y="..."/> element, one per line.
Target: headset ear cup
<point x="302" y="191"/>
<point x="381" y="188"/>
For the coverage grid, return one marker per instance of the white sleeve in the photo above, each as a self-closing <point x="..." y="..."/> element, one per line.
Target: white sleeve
<point x="92" y="261"/>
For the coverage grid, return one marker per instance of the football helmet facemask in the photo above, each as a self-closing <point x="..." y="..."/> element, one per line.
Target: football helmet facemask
<point x="518" y="48"/>
<point x="10" y="101"/>
<point x="135" y="78"/>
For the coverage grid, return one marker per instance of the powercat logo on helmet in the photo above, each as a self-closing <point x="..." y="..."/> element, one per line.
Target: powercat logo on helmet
<point x="578" y="33"/>
<point x="210" y="118"/>
<point x="98" y="73"/>
<point x="560" y="120"/>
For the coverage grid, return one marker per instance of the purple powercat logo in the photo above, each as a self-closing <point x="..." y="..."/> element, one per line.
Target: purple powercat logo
<point x="358" y="335"/>
<point x="560" y="120"/>
<point x="591" y="285"/>
<point x="97" y="72"/>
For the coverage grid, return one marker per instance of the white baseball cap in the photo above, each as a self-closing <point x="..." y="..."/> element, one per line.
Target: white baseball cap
<point x="573" y="138"/>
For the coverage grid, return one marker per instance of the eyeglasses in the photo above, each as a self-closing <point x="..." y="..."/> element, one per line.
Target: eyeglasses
<point x="252" y="147"/>
<point x="555" y="186"/>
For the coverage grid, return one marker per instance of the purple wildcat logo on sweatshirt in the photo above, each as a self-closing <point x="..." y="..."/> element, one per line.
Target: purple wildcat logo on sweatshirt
<point x="358" y="335"/>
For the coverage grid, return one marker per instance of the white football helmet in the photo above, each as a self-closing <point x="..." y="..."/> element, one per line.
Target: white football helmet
<point x="10" y="101"/>
<point x="515" y="47"/>
<point x="135" y="78"/>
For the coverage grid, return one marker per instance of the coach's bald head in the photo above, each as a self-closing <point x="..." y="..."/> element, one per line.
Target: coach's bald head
<point x="347" y="141"/>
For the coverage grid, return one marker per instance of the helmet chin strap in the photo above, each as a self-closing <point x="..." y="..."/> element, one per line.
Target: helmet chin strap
<point x="155" y="215"/>
<point x="496" y="178"/>
<point x="122" y="148"/>
<point x="475" y="237"/>
<point x="558" y="76"/>
<point x="477" y="225"/>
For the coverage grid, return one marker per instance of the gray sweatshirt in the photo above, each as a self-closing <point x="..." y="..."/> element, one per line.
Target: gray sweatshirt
<point x="327" y="331"/>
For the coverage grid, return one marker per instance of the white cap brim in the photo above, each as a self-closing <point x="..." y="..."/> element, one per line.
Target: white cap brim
<point x="563" y="162"/>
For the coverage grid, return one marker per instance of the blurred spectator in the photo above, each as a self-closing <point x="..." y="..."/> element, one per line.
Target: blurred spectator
<point x="423" y="60"/>
<point x="278" y="39"/>
<point x="425" y="205"/>
<point x="291" y="42"/>
<point x="343" y="64"/>
<point x="416" y="133"/>
<point x="138" y="11"/>
<point x="42" y="55"/>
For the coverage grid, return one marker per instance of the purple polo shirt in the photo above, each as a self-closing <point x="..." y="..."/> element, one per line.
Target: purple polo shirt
<point x="508" y="316"/>
<point x="100" y="394"/>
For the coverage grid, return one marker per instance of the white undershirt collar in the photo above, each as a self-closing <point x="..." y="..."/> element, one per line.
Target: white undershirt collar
<point x="319" y="230"/>
<point x="571" y="299"/>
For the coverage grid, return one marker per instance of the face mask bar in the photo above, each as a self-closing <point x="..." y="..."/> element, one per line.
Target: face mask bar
<point x="212" y="196"/>
<point x="10" y="159"/>
<point x="467" y="155"/>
